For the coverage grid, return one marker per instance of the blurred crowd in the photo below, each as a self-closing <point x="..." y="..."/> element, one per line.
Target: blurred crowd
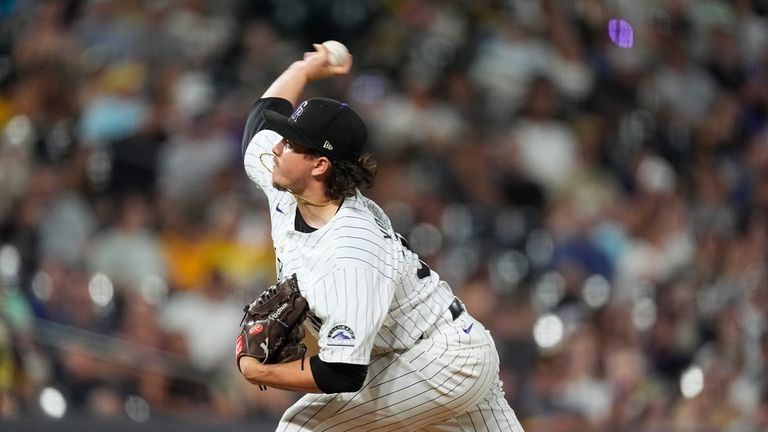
<point x="601" y="206"/>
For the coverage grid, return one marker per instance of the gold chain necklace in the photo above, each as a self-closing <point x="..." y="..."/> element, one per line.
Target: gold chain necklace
<point x="299" y="197"/>
<point x="310" y="202"/>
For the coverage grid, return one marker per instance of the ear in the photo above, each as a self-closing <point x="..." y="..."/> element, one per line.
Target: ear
<point x="321" y="166"/>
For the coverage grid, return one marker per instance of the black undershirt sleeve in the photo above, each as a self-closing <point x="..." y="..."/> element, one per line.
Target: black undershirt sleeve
<point x="255" y="121"/>
<point x="337" y="377"/>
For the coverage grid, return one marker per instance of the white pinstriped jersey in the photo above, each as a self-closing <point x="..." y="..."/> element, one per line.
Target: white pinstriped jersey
<point x="368" y="293"/>
<point x="372" y="302"/>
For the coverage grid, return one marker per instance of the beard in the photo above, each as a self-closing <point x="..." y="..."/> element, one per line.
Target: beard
<point x="276" y="182"/>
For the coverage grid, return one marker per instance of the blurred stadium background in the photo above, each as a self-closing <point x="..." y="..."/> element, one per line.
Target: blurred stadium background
<point x="591" y="176"/>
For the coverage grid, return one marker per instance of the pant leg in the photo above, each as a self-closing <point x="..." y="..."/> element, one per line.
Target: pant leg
<point x="403" y="390"/>
<point x="492" y="414"/>
<point x="452" y="374"/>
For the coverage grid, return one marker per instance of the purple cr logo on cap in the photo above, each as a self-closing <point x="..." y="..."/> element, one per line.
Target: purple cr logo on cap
<point x="299" y="111"/>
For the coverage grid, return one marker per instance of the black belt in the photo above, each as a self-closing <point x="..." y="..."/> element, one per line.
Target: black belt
<point x="456" y="308"/>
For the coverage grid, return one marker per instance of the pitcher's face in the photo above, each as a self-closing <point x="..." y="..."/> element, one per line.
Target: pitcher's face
<point x="292" y="166"/>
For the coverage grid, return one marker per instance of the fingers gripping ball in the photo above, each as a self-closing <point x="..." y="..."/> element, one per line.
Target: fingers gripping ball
<point x="337" y="52"/>
<point x="272" y="330"/>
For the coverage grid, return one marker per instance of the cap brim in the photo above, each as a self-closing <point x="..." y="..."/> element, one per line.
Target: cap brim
<point x="282" y="125"/>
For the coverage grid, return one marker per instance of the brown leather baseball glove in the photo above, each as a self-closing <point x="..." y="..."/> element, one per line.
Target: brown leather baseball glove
<point x="272" y="330"/>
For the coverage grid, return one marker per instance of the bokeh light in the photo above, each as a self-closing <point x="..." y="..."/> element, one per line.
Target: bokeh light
<point x="457" y="223"/>
<point x="692" y="382"/>
<point x="154" y="289"/>
<point x="459" y="263"/>
<point x="596" y="291"/>
<point x="509" y="268"/>
<point x="101" y="290"/>
<point x="644" y="313"/>
<point x="137" y="409"/>
<point x="42" y="286"/>
<point x="19" y="131"/>
<point x="425" y="239"/>
<point x="548" y="331"/>
<point x="52" y="402"/>
<point x="539" y="247"/>
<point x="549" y="290"/>
<point x="10" y="261"/>
<point x="621" y="33"/>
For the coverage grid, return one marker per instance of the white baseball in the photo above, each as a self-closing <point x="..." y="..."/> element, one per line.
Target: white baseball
<point x="337" y="52"/>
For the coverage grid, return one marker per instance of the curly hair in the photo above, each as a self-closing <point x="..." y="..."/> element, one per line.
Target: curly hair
<point x="346" y="176"/>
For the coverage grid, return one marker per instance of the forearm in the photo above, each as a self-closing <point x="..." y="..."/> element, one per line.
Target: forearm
<point x="290" y="84"/>
<point x="314" y="66"/>
<point x="285" y="376"/>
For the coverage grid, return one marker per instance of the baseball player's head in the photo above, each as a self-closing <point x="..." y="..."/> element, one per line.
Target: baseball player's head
<point x="323" y="140"/>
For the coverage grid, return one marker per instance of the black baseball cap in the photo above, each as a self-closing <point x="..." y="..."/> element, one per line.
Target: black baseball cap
<point x="326" y="125"/>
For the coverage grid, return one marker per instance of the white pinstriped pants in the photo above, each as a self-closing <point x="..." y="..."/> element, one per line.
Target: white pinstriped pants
<point x="448" y="381"/>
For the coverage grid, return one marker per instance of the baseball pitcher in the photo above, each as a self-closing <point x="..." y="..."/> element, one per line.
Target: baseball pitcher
<point x="397" y="350"/>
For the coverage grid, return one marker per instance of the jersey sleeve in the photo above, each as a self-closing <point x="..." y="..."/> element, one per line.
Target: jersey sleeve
<point x="255" y="122"/>
<point x="352" y="304"/>
<point x="258" y="141"/>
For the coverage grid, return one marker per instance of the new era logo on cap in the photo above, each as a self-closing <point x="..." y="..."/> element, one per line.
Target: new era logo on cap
<point x="326" y="125"/>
